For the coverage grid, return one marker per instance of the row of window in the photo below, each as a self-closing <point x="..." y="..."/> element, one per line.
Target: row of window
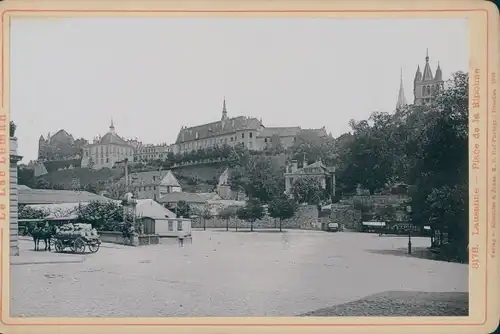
<point x="171" y="225"/>
<point x="430" y="89"/>
<point x="108" y="150"/>
<point x="211" y="142"/>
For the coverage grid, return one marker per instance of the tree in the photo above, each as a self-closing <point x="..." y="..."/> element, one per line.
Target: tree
<point x="205" y="214"/>
<point x="252" y="211"/>
<point x="308" y="190"/>
<point x="99" y="213"/>
<point x="25" y="176"/>
<point x="258" y="178"/>
<point x="90" y="164"/>
<point x="183" y="209"/>
<point x="314" y="145"/>
<point x="227" y="213"/>
<point x="282" y="207"/>
<point x="27" y="212"/>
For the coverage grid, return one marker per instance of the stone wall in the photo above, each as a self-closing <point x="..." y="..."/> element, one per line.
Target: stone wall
<point x="117" y="238"/>
<point x="305" y="218"/>
<point x="346" y="215"/>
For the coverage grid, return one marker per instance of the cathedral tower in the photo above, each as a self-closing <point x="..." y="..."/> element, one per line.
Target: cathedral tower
<point x="426" y="85"/>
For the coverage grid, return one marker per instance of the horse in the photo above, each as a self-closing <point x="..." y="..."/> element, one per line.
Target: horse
<point x="44" y="233"/>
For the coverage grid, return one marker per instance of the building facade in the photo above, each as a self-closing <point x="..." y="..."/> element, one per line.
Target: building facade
<point x="426" y="85"/>
<point x="153" y="185"/>
<point x="317" y="170"/>
<point x="246" y="131"/>
<point x="231" y="131"/>
<point x="150" y="152"/>
<point x="60" y="146"/>
<point x="107" y="150"/>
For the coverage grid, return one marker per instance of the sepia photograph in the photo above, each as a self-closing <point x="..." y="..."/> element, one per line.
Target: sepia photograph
<point x="239" y="167"/>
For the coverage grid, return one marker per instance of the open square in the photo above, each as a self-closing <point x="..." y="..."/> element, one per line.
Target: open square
<point x="227" y="274"/>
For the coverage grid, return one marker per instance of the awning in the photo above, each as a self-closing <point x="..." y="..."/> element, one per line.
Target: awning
<point x="377" y="224"/>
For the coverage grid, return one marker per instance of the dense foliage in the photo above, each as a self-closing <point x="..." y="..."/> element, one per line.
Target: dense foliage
<point x="252" y="211"/>
<point x="425" y="146"/>
<point x="308" y="190"/>
<point x="282" y="207"/>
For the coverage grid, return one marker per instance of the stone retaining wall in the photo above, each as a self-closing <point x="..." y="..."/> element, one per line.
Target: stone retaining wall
<point x="346" y="215"/>
<point x="117" y="238"/>
<point x="305" y="218"/>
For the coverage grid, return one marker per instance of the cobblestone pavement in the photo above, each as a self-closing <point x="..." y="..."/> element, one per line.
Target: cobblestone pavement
<point x="229" y="274"/>
<point x="401" y="303"/>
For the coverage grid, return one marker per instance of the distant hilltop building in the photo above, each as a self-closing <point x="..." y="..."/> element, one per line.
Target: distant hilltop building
<point x="426" y="85"/>
<point x="248" y="131"/>
<point x="60" y="146"/>
<point x="107" y="150"/>
<point x="151" y="152"/>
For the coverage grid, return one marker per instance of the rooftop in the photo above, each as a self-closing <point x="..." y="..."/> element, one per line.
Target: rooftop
<point x="28" y="195"/>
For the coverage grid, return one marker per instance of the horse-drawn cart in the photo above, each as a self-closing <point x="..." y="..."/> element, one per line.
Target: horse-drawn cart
<point x="76" y="237"/>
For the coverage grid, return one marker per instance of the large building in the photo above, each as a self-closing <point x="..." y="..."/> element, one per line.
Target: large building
<point x="325" y="175"/>
<point x="426" y="85"/>
<point x="60" y="146"/>
<point x="153" y="185"/>
<point x="107" y="150"/>
<point x="150" y="152"/>
<point x="248" y="131"/>
<point x="230" y="131"/>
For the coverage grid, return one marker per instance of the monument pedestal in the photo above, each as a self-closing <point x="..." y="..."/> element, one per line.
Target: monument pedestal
<point x="13" y="209"/>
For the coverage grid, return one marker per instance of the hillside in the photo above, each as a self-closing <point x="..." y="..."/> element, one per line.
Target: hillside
<point x="193" y="178"/>
<point x="64" y="178"/>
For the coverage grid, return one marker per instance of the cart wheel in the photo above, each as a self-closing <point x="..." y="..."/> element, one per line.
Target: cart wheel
<point x="58" y="245"/>
<point x="79" y="246"/>
<point x="94" y="247"/>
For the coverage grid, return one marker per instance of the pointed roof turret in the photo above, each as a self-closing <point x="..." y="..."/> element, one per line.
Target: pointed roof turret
<point x="224" y="110"/>
<point x="170" y="180"/>
<point x="418" y="74"/>
<point x="427" y="69"/>
<point x="401" y="96"/>
<point x="439" y="73"/>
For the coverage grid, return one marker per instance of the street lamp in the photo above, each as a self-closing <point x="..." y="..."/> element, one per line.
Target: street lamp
<point x="408" y="209"/>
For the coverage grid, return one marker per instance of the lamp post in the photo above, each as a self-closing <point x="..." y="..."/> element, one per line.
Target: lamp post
<point x="408" y="209"/>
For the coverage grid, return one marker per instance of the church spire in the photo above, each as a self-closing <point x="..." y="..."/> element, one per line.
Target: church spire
<point x="401" y="96"/>
<point x="224" y="110"/>
<point x="439" y="73"/>
<point x="427" y="69"/>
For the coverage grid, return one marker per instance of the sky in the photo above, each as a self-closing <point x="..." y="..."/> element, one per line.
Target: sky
<point x="154" y="75"/>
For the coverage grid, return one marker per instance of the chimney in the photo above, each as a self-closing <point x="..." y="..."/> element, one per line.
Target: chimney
<point x="294" y="166"/>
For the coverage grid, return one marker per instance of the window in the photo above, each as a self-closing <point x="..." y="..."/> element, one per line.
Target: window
<point x="242" y="135"/>
<point x="265" y="140"/>
<point x="170" y="225"/>
<point x="179" y="225"/>
<point x="250" y="135"/>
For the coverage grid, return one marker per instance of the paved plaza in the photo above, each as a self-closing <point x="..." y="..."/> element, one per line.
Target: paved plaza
<point x="226" y="274"/>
